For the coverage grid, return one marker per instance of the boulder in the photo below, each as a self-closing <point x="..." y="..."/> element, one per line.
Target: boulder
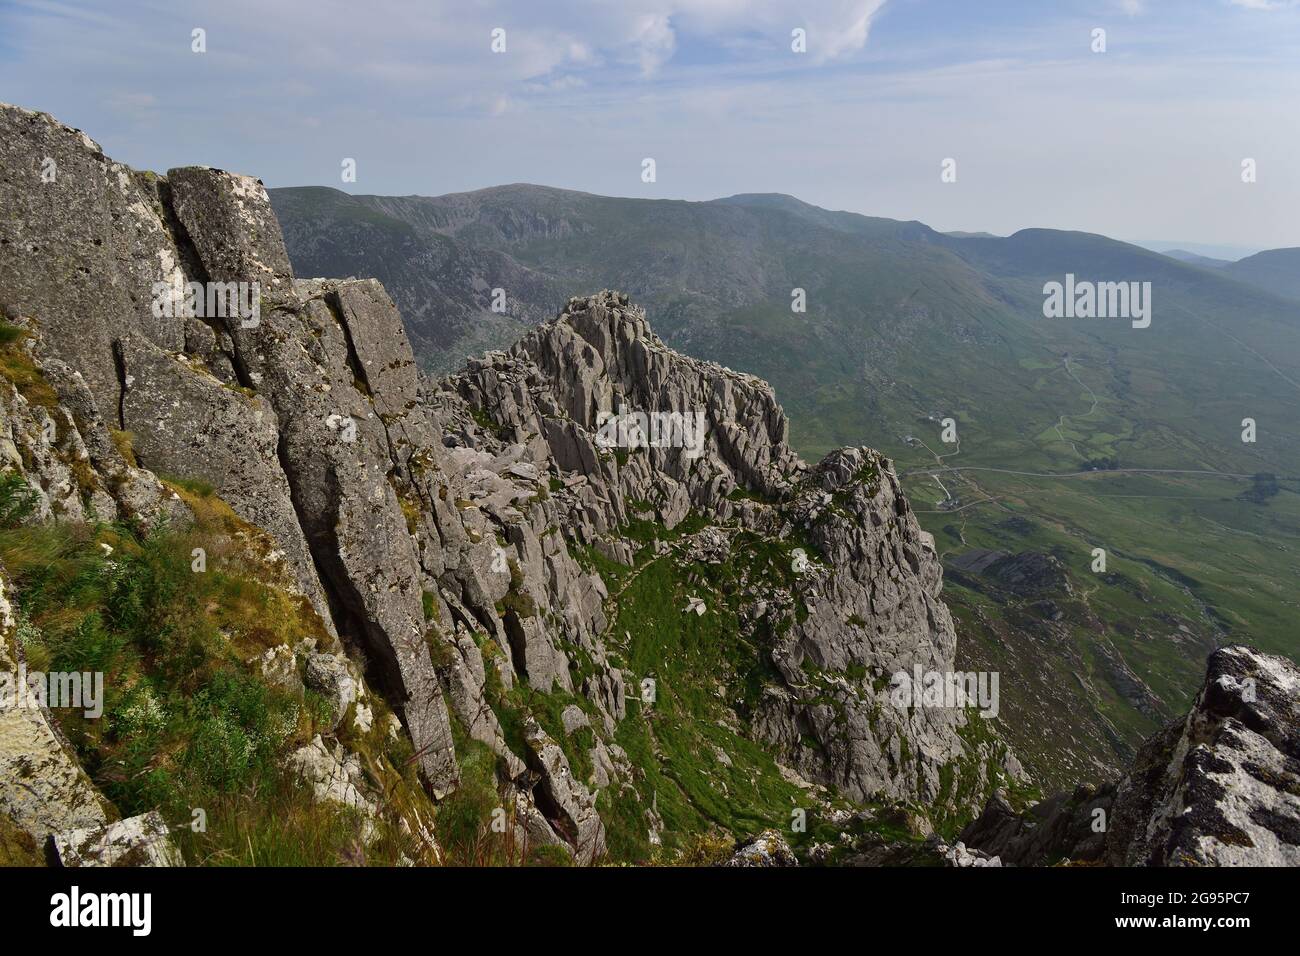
<point x="137" y="841"/>
<point x="768" y="849"/>
<point x="574" y="815"/>
<point x="330" y="675"/>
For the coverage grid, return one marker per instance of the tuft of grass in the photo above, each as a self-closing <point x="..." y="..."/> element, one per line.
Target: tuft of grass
<point x="195" y="486"/>
<point x="10" y="333"/>
<point x="17" y="499"/>
<point x="276" y="826"/>
<point x="429" y="601"/>
<point x="465" y="819"/>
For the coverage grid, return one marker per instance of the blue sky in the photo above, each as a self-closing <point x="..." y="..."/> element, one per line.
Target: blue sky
<point x="1142" y="141"/>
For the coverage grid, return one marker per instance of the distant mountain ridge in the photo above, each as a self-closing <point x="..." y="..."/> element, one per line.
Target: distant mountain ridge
<point x="1277" y="270"/>
<point x="444" y="254"/>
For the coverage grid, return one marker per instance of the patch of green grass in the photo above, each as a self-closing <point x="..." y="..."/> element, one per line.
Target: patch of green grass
<point x="676" y="742"/>
<point x="429" y="601"/>
<point x="486" y="422"/>
<point x="9" y="332"/>
<point x="18" y="499"/>
<point x="195" y="486"/>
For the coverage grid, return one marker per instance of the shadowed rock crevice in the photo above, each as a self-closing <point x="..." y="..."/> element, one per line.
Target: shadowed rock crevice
<point x="119" y="366"/>
<point x="335" y="306"/>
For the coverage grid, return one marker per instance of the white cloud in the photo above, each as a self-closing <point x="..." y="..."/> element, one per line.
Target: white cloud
<point x="654" y="42"/>
<point x="1264" y="4"/>
<point x="849" y="37"/>
<point x="649" y="33"/>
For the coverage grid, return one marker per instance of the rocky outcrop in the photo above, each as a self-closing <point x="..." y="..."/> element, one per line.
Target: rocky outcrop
<point x="1222" y="787"/>
<point x="873" y="606"/>
<point x="1219" y="788"/>
<point x="333" y="777"/>
<point x="599" y="359"/>
<point x="573" y="813"/>
<point x="568" y="397"/>
<point x="271" y="404"/>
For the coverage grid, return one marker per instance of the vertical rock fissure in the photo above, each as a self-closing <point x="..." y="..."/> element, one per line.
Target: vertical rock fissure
<point x="191" y="264"/>
<point x="119" y="366"/>
<point x="353" y="359"/>
<point x="346" y="608"/>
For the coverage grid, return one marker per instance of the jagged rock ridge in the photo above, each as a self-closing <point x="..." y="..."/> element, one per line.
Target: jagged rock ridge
<point x="869" y="605"/>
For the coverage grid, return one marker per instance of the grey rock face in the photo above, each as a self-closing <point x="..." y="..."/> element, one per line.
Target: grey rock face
<point x="228" y="218"/>
<point x="195" y="426"/>
<point x="83" y="250"/>
<point x="340" y="458"/>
